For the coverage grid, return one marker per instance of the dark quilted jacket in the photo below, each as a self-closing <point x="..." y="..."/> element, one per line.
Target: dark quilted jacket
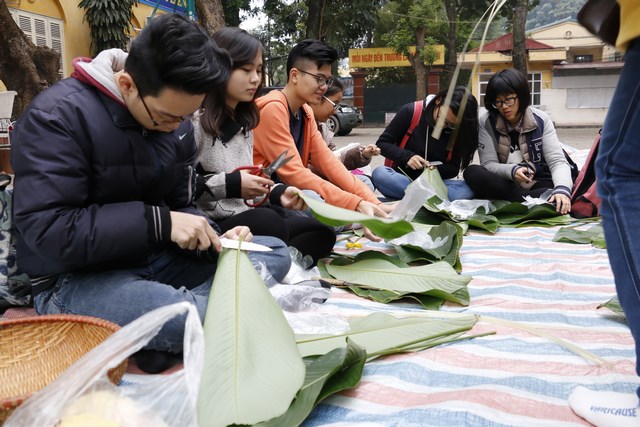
<point x="86" y="176"/>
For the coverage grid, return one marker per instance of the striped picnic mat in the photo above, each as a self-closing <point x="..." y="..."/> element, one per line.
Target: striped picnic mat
<point x="512" y="378"/>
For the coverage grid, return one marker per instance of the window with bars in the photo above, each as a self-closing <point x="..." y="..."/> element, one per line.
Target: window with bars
<point x="535" y="86"/>
<point x="43" y="31"/>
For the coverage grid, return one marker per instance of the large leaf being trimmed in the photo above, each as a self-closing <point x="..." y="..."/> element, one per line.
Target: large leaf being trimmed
<point x="333" y="215"/>
<point x="339" y="369"/>
<point x="252" y="368"/>
<point x="436" y="280"/>
<point x="381" y="333"/>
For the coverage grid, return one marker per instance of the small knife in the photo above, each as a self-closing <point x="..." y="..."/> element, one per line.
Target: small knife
<point x="242" y="245"/>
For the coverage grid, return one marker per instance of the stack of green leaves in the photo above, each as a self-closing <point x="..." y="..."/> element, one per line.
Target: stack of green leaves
<point x="383" y="279"/>
<point x="504" y="214"/>
<point x="450" y="235"/>
<point x="376" y="276"/>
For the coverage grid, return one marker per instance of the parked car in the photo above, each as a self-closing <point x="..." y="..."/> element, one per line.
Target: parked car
<point x="360" y="117"/>
<point x="341" y="122"/>
<point x="344" y="120"/>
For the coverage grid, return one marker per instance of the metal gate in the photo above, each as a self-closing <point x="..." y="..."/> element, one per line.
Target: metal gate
<point x="379" y="101"/>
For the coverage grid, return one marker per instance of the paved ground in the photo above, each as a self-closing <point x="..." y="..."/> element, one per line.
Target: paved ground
<point x="579" y="138"/>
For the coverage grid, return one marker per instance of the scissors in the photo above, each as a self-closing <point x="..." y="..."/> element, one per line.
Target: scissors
<point x="265" y="171"/>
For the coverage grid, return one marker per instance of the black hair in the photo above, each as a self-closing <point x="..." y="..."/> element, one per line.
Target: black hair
<point x="506" y="82"/>
<point x="315" y="51"/>
<point x="466" y="132"/>
<point x="172" y="51"/>
<point x="335" y="87"/>
<point x="242" y="48"/>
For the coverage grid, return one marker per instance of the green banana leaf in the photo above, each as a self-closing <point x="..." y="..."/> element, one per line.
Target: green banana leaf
<point x="505" y="214"/>
<point x="432" y="176"/>
<point x="448" y="251"/>
<point x="344" y="259"/>
<point x="593" y="235"/>
<point x="430" y="213"/>
<point x="334" y="216"/>
<point x="385" y="296"/>
<point x="339" y="369"/>
<point x="614" y="305"/>
<point x="381" y="334"/>
<point x="516" y="214"/>
<point x="252" y="369"/>
<point x="436" y="280"/>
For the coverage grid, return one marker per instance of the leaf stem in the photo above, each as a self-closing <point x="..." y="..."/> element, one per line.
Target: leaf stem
<point x="588" y="356"/>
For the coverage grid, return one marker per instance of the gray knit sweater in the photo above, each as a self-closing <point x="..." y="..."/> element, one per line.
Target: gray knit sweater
<point x="217" y="158"/>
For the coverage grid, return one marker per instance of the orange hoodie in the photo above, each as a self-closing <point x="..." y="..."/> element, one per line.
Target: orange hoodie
<point x="272" y="137"/>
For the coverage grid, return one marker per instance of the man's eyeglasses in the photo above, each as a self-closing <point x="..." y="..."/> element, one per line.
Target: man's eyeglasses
<point x="199" y="112"/>
<point x="320" y="79"/>
<point x="333" y="104"/>
<point x="509" y="102"/>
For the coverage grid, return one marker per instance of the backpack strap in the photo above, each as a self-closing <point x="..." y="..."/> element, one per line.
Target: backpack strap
<point x="417" y="113"/>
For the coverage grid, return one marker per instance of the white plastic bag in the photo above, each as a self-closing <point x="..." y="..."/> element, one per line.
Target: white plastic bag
<point x="415" y="195"/>
<point x="154" y="400"/>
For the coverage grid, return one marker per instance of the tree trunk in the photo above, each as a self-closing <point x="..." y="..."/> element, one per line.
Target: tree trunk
<point x="210" y="14"/>
<point x="315" y="19"/>
<point x="451" y="59"/>
<point x="422" y="71"/>
<point x="519" y="53"/>
<point x="24" y="67"/>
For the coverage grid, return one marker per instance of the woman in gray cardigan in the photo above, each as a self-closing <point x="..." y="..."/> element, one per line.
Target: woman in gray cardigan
<point x="520" y="154"/>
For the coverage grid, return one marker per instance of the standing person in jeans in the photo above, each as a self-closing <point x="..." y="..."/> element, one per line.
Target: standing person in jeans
<point x="104" y="216"/>
<point x="618" y="185"/>
<point x="287" y="123"/>
<point x="224" y="135"/>
<point x="422" y="147"/>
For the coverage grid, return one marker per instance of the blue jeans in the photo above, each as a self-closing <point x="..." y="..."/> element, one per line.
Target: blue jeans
<point x="618" y="185"/>
<point x="367" y="181"/>
<point x="122" y="296"/>
<point x="392" y="184"/>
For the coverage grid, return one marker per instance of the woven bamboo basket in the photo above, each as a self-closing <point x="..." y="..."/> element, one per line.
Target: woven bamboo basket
<point x="35" y="350"/>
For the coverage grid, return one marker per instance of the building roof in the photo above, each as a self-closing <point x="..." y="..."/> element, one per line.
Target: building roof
<point x="589" y="65"/>
<point x="551" y="25"/>
<point x="505" y="43"/>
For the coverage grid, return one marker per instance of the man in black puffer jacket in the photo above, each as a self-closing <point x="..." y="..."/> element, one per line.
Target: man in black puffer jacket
<point x="103" y="210"/>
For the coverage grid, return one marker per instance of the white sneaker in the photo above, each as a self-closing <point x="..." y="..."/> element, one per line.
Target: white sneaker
<point x="606" y="408"/>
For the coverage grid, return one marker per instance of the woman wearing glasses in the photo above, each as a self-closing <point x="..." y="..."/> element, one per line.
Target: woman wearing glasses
<point x="224" y="134"/>
<point x="354" y="158"/>
<point x="422" y="148"/>
<point x="520" y="154"/>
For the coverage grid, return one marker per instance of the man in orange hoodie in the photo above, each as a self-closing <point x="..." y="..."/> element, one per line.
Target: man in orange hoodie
<point x="287" y="123"/>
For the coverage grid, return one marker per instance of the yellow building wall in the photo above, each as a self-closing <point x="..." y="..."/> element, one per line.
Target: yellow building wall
<point x="544" y="68"/>
<point x="77" y="40"/>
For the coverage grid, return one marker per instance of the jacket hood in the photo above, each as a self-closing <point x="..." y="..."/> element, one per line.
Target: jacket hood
<point x="99" y="72"/>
